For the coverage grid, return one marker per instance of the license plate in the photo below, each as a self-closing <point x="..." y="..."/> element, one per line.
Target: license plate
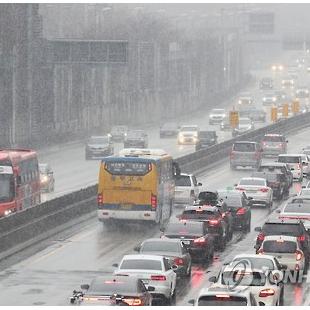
<point x="186" y="242"/>
<point x="126" y="206"/>
<point x="251" y="191"/>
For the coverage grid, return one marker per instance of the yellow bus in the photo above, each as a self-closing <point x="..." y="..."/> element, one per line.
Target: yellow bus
<point x="137" y="185"/>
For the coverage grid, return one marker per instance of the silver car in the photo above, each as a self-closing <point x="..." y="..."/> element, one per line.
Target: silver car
<point x="216" y="116"/>
<point x="245" y="125"/>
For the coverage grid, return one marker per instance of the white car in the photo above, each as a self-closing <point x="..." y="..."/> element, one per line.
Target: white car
<point x="245" y="125"/>
<point x="287" y="250"/>
<point x="257" y="190"/>
<point x="154" y="271"/>
<point x="216" y="116"/>
<point x="186" y="189"/>
<point x="294" y="162"/>
<point x="214" y="296"/>
<point x="305" y="161"/>
<point x="269" y="99"/>
<point x="237" y="276"/>
<point x="188" y="134"/>
<point x="245" y="99"/>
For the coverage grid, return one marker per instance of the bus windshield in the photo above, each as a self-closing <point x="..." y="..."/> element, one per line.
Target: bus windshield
<point x="6" y="187"/>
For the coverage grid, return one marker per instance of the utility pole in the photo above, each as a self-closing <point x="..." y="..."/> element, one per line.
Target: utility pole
<point x="29" y="67"/>
<point x="13" y="131"/>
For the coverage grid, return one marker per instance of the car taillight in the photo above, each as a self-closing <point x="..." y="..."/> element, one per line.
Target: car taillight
<point x="260" y="251"/>
<point x="178" y="261"/>
<point x="100" y="199"/>
<point x="301" y="238"/>
<point x="241" y="211"/>
<point x="266" y="292"/>
<point x="240" y="189"/>
<point x="260" y="237"/>
<point x="158" y="278"/>
<point x="299" y="255"/>
<point x="264" y="190"/>
<point x="133" y="301"/>
<point x="200" y="241"/>
<point x="153" y="201"/>
<point x="214" y="222"/>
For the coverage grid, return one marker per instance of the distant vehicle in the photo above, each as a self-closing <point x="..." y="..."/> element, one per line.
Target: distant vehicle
<point x="113" y="290"/>
<point x="98" y="146"/>
<point x="19" y="180"/>
<point x="225" y="124"/>
<point x="282" y="97"/>
<point x="266" y="83"/>
<point x="169" y="130"/>
<point x="252" y="112"/>
<point x="302" y="93"/>
<point x="118" y="133"/>
<point x="245" y="153"/>
<point x="216" y="116"/>
<point x="274" y="144"/>
<point x="245" y="99"/>
<point x="278" y="167"/>
<point x="154" y="271"/>
<point x="218" y="296"/>
<point x="186" y="189"/>
<point x="288" y="83"/>
<point x="245" y="125"/>
<point x="269" y="99"/>
<point x="188" y="134"/>
<point x="257" y="189"/>
<point x="128" y="187"/>
<point x="173" y="249"/>
<point x="294" y="161"/>
<point x="47" y="179"/>
<point x="277" y="67"/>
<point x="206" y="139"/>
<point x="136" y="139"/>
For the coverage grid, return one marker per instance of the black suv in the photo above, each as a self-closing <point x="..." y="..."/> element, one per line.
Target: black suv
<point x="278" y="167"/>
<point x="240" y="207"/>
<point x="195" y="237"/>
<point x="276" y="226"/>
<point x="206" y="139"/>
<point x="275" y="180"/>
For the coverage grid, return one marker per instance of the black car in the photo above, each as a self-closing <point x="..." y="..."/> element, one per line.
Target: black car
<point x="206" y="139"/>
<point x="240" y="207"/>
<point x="114" y="290"/>
<point x="195" y="237"/>
<point x="275" y="180"/>
<point x="136" y="139"/>
<point x="168" y="130"/>
<point x="277" y="167"/>
<point x="276" y="226"/>
<point x="173" y="249"/>
<point x="266" y="83"/>
<point x="213" y="217"/>
<point x="212" y="198"/>
<point x="98" y="146"/>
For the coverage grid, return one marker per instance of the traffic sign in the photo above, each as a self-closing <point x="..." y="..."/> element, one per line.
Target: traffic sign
<point x="234" y="118"/>
<point x="285" y="110"/>
<point x="295" y="106"/>
<point x="274" y="114"/>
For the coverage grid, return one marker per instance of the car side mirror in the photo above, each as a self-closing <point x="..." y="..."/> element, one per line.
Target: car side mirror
<point x="137" y="248"/>
<point x="174" y="267"/>
<point x="258" y="229"/>
<point x="286" y="141"/>
<point x="292" y="169"/>
<point x="85" y="287"/>
<point x="191" y="302"/>
<point x="115" y="265"/>
<point x="278" y="211"/>
<point x="304" y="186"/>
<point x="256" y="246"/>
<point x="212" y="279"/>
<point x="236" y="184"/>
<point x="151" y="288"/>
<point x="199" y="184"/>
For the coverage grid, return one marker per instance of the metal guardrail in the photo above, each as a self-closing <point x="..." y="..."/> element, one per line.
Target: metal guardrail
<point x="32" y="225"/>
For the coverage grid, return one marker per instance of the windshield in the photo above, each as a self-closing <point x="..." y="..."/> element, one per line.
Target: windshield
<point x="273" y="139"/>
<point x="305" y="191"/>
<point x="183" y="180"/>
<point x="190" y="229"/>
<point x="256" y="182"/>
<point x="232" y="201"/>
<point x="99" y="140"/>
<point x="244" y="121"/>
<point x="207" y="134"/>
<point x="218" y="111"/>
<point x="208" y="196"/>
<point x="246" y="278"/>
<point x="289" y="159"/>
<point x="279" y="246"/>
<point x="189" y="128"/>
<point x="225" y="300"/>
<point x="135" y="134"/>
<point x="119" y="129"/>
<point x="298" y="208"/>
<point x="270" y="177"/>
<point x="257" y="262"/>
<point x="170" y="126"/>
<point x="6" y="188"/>
<point x="197" y="214"/>
<point x="160" y="246"/>
<point x="244" y="147"/>
<point x="282" y="229"/>
<point x="144" y="264"/>
<point x="110" y="286"/>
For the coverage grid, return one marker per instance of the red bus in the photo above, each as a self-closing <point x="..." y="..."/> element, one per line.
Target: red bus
<point x="19" y="180"/>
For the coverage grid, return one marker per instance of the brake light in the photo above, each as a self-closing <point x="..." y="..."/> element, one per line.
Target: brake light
<point x="222" y="296"/>
<point x="133" y="301"/>
<point x="178" y="261"/>
<point x="200" y="241"/>
<point x="266" y="292"/>
<point x="241" y="211"/>
<point x="240" y="189"/>
<point x="260" y="237"/>
<point x="158" y="278"/>
<point x="301" y="238"/>
<point x="214" y="222"/>
<point x="153" y="201"/>
<point x="264" y="190"/>
<point x="299" y="255"/>
<point x="100" y="199"/>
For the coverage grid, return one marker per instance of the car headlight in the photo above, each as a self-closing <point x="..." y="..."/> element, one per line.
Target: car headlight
<point x="264" y="98"/>
<point x="274" y="68"/>
<point x="274" y="99"/>
<point x="280" y="67"/>
<point x="44" y="179"/>
<point x="7" y="212"/>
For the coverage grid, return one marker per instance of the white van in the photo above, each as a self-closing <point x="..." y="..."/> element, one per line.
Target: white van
<point x="294" y="162"/>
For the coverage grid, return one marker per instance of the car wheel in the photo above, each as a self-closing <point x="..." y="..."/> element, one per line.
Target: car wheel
<point x="172" y="299"/>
